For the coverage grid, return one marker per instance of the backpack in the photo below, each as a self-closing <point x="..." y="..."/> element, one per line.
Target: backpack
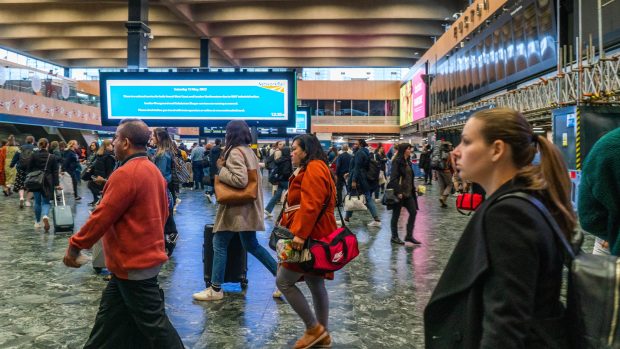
<point x="24" y="158"/>
<point x="373" y="169"/>
<point x="439" y="159"/>
<point x="180" y="174"/>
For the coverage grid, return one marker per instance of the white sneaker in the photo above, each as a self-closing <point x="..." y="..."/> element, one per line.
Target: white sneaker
<point x="28" y="204"/>
<point x="46" y="223"/>
<point x="268" y="214"/>
<point x="209" y="198"/>
<point x="178" y="201"/>
<point x="377" y="200"/>
<point x="277" y="294"/>
<point x="37" y="225"/>
<point x="374" y="224"/>
<point x="208" y="294"/>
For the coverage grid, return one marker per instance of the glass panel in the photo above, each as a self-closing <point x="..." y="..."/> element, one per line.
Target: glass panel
<point x="343" y="108"/>
<point x="360" y="108"/>
<point x="500" y="55"/>
<point x="310" y="103"/>
<point x="490" y="58"/>
<point x="519" y="39"/>
<point x="326" y="107"/>
<point x="531" y="35"/>
<point x="391" y="107"/>
<point x="509" y="48"/>
<point x="377" y="108"/>
<point x="545" y="25"/>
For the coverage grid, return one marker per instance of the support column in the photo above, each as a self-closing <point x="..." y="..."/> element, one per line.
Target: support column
<point x="138" y="34"/>
<point x="204" y="54"/>
<point x="67" y="72"/>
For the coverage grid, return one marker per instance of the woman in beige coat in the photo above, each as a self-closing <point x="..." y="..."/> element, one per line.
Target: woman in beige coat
<point x="243" y="219"/>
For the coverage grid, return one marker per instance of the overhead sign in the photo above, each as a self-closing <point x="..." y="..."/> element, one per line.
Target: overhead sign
<point x="418" y="96"/>
<point x="199" y="99"/>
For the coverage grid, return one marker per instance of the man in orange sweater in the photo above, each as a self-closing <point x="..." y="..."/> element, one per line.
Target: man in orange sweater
<point x="130" y="218"/>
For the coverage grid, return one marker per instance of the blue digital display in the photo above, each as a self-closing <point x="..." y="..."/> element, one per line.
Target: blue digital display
<point x="199" y="99"/>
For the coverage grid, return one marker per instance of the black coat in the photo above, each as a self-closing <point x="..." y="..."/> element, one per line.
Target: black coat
<point x="215" y="154"/>
<point x="402" y="179"/>
<point x="359" y="171"/>
<point x="39" y="161"/>
<point x="501" y="286"/>
<point x="71" y="161"/>
<point x="104" y="165"/>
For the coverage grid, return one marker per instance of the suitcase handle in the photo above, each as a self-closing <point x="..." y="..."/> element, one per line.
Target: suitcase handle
<point x="62" y="191"/>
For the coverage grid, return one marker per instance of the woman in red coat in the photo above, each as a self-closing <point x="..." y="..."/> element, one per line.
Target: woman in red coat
<point x="310" y="188"/>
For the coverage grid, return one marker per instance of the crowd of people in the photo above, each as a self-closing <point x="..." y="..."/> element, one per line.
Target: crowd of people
<point x="136" y="178"/>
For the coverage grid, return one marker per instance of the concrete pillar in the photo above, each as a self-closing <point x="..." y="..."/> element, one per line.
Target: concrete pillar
<point x="204" y="54"/>
<point x="138" y="34"/>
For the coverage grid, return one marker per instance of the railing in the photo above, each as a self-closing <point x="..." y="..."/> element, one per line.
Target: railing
<point x="355" y="120"/>
<point x="593" y="82"/>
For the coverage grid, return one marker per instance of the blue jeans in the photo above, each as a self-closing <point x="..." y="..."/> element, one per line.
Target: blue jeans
<point x="370" y="203"/>
<point x="41" y="206"/>
<point x="282" y="186"/>
<point x="221" y="239"/>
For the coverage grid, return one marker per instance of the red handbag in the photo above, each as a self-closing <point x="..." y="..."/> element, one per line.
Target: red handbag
<point x="332" y="252"/>
<point x="468" y="202"/>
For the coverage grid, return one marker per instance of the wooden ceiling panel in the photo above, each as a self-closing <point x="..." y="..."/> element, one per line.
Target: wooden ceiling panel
<point x="265" y="33"/>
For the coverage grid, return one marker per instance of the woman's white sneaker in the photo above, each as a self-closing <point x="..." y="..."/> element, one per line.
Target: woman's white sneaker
<point x="208" y="294"/>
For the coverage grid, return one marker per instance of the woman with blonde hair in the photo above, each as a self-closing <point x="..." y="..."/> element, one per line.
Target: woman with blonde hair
<point x="501" y="286"/>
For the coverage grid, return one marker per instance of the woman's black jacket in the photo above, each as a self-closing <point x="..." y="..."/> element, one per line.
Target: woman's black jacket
<point x="38" y="162"/>
<point x="501" y="286"/>
<point x="402" y="179"/>
<point x="71" y="161"/>
<point x="104" y="165"/>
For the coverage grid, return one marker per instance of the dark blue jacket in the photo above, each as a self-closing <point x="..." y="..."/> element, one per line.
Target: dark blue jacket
<point x="343" y="163"/>
<point x="215" y="154"/>
<point x="359" y="170"/>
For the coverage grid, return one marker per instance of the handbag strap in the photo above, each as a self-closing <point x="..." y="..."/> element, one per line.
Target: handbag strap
<point x="46" y="162"/>
<point x="548" y="218"/>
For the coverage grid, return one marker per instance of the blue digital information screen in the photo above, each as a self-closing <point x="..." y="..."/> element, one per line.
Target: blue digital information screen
<point x="301" y="127"/>
<point x="199" y="99"/>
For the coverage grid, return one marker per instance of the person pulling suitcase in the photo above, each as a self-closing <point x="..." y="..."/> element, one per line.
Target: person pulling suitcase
<point x="238" y="169"/>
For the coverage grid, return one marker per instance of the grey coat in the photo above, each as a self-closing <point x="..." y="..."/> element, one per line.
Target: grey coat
<point x="246" y="217"/>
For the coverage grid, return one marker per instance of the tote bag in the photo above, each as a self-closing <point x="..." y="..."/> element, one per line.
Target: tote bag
<point x="229" y="195"/>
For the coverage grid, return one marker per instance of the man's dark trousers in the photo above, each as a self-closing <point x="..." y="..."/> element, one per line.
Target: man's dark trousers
<point x="132" y="315"/>
<point x="198" y="174"/>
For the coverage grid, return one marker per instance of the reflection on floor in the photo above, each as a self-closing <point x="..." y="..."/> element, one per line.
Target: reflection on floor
<point x="376" y="302"/>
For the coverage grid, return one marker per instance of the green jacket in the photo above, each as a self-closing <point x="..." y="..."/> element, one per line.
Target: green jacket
<point x="599" y="191"/>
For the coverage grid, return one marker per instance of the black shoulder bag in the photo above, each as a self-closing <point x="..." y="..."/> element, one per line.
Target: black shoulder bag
<point x="593" y="302"/>
<point x="35" y="180"/>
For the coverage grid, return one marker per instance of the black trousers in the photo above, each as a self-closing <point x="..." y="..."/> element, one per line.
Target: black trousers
<point x="132" y="315"/>
<point x="410" y="205"/>
<point x="428" y="175"/>
<point x="198" y="174"/>
<point x="340" y="184"/>
<point x="95" y="189"/>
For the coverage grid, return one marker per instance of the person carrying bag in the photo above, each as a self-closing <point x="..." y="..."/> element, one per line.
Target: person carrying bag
<point x="310" y="188"/>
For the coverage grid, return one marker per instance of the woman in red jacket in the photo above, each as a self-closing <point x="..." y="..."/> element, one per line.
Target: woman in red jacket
<point x="310" y="187"/>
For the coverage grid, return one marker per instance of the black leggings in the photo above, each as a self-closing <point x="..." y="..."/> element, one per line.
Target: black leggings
<point x="95" y="189"/>
<point x="410" y="205"/>
<point x="75" y="180"/>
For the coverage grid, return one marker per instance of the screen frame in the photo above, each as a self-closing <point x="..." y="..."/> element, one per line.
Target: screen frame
<point x="289" y="76"/>
<point x="203" y="134"/>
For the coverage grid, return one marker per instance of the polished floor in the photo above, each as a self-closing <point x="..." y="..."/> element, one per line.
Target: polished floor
<point x="376" y="302"/>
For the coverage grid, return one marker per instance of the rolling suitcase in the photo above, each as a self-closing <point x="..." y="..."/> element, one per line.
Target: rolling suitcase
<point x="63" y="216"/>
<point x="236" y="265"/>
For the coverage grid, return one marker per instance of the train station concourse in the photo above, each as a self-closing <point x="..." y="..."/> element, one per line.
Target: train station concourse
<point x="309" y="174"/>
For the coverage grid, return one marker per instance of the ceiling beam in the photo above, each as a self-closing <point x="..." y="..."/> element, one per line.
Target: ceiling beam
<point x="349" y="27"/>
<point x="184" y="12"/>
<point x="86" y="30"/>
<point x="328" y="62"/>
<point x="324" y="52"/>
<point x="232" y="43"/>
<point x="46" y="44"/>
<point x="320" y="10"/>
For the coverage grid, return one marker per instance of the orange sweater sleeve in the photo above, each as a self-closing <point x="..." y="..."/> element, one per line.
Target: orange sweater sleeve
<point x="119" y="196"/>
<point x="314" y="191"/>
